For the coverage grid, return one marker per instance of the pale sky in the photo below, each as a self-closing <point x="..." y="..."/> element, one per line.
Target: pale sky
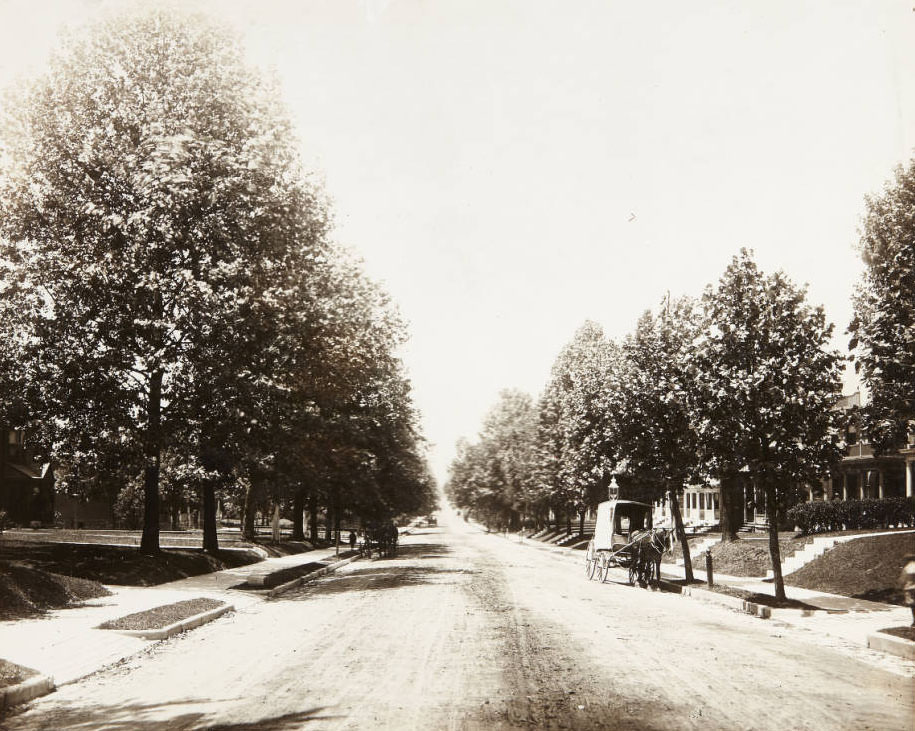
<point x="510" y="169"/>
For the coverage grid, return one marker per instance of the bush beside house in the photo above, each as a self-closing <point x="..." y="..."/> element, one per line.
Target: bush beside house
<point x="823" y="517"/>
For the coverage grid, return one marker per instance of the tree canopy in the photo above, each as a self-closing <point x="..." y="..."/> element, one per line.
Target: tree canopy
<point x="168" y="280"/>
<point x="768" y="384"/>
<point x="883" y="328"/>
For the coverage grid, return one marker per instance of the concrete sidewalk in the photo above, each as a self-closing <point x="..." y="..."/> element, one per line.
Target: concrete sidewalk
<point x="847" y="618"/>
<point x="65" y="646"/>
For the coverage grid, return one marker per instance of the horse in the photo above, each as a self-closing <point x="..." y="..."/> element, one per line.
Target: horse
<point x="647" y="548"/>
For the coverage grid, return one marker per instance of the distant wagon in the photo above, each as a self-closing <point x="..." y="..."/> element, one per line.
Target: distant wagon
<point x="624" y="536"/>
<point x="381" y="539"/>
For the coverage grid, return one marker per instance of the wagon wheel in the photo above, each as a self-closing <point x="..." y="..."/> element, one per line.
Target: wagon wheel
<point x="602" y="569"/>
<point x="592" y="567"/>
<point x="633" y="571"/>
<point x="589" y="567"/>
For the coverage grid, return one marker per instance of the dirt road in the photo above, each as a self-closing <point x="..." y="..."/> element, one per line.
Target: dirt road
<point x="470" y="631"/>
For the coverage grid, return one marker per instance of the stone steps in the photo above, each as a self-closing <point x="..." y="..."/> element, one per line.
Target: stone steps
<point x="818" y="547"/>
<point x="699" y="549"/>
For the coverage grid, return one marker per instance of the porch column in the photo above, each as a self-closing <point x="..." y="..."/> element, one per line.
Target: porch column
<point x="880" y="479"/>
<point x="862" y="484"/>
<point x="845" y="486"/>
<point x="909" y="487"/>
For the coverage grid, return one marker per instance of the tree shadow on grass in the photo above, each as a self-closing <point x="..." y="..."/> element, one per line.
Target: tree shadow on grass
<point x="121" y="565"/>
<point x="147" y="717"/>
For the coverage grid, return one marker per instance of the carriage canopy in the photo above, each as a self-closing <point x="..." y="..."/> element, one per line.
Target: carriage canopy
<point x="617" y="520"/>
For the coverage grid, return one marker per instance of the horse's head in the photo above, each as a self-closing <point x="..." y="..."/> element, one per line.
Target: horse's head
<point x="662" y="539"/>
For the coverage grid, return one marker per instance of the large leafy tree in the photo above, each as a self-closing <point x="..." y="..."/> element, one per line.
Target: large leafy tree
<point x="578" y="455"/>
<point x="883" y="328"/>
<point x="652" y="424"/>
<point x="495" y="477"/>
<point x="155" y="213"/>
<point x="768" y="387"/>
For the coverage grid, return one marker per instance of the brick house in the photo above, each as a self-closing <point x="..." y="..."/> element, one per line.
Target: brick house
<point x="26" y="487"/>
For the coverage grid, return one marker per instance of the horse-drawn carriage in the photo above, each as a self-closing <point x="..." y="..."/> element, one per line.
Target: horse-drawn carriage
<point x="624" y="537"/>
<point x="380" y="538"/>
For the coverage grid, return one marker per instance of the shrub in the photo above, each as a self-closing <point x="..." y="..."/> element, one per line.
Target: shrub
<point x="822" y="517"/>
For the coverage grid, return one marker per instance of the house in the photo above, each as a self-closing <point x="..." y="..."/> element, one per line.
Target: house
<point x="26" y="487"/>
<point x="862" y="474"/>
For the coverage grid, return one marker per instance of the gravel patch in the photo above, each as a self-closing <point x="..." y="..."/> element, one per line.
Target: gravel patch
<point x="163" y="616"/>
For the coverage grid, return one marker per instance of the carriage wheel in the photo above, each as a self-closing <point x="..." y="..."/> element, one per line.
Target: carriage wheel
<point x="592" y="567"/>
<point x="633" y="572"/>
<point x="589" y="566"/>
<point x="602" y="570"/>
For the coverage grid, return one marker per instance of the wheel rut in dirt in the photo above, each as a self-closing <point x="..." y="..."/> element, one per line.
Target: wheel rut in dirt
<point x="547" y="684"/>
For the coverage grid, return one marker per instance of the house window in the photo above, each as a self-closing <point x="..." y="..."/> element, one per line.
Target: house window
<point x="15" y="444"/>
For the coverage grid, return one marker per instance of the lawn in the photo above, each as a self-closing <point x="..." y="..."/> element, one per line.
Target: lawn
<point x="26" y="591"/>
<point x="163" y="616"/>
<point x="121" y="565"/>
<point x="37" y="576"/>
<point x="12" y="674"/>
<point x="866" y="568"/>
<point x="745" y="556"/>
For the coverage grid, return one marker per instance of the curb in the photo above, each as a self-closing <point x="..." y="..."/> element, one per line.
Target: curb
<point x="25" y="691"/>
<point x="891" y="645"/>
<point x="726" y="600"/>
<point x="163" y="633"/>
<point x="317" y="573"/>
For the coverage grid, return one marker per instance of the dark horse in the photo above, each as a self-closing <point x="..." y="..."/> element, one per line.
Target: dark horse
<point x="647" y="548"/>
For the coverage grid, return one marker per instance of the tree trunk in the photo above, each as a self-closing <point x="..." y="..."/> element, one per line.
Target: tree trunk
<point x="681" y="534"/>
<point x="210" y="539"/>
<point x="774" y="548"/>
<point x="275" y="523"/>
<point x="149" y="543"/>
<point x="581" y="523"/>
<point x="337" y="512"/>
<point x="728" y="496"/>
<point x="247" y="529"/>
<point x="298" y="515"/>
<point x="313" y="517"/>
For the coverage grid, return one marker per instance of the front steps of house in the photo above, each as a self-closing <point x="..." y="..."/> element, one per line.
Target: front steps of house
<point x="700" y="548"/>
<point x="817" y="548"/>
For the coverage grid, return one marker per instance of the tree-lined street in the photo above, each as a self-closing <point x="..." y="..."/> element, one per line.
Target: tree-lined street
<point x="472" y="631"/>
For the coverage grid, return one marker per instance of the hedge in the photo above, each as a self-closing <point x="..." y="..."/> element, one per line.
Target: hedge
<point x="822" y="517"/>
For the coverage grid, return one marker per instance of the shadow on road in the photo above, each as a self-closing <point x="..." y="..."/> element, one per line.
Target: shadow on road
<point x="404" y="569"/>
<point x="422" y="550"/>
<point x="149" y="717"/>
<point x="381" y="576"/>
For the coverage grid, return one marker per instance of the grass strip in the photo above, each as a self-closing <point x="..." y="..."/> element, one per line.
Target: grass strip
<point x="13" y="674"/>
<point x="159" y="617"/>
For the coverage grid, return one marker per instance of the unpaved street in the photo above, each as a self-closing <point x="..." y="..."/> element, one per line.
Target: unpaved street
<point x="471" y="631"/>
